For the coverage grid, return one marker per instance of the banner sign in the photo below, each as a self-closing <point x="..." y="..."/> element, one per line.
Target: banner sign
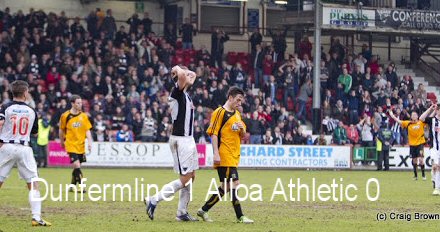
<point x="347" y="17"/>
<point x="56" y="155"/>
<point x="408" y="19"/>
<point x="295" y="156"/>
<point x="114" y="154"/>
<point x="400" y="158"/>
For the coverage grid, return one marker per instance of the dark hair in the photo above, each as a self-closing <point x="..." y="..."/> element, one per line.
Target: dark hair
<point x="234" y="91"/>
<point x="74" y="97"/>
<point x="18" y="88"/>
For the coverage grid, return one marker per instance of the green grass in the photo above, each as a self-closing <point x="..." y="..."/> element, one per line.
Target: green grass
<point x="398" y="193"/>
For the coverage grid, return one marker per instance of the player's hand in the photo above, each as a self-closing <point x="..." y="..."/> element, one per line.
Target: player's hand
<point x="216" y="159"/>
<point x="62" y="145"/>
<point x="240" y="125"/>
<point x="89" y="146"/>
<point x="174" y="71"/>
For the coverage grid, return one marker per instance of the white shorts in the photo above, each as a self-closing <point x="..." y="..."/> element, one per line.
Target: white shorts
<point x="185" y="154"/>
<point x="23" y="156"/>
<point x="435" y="156"/>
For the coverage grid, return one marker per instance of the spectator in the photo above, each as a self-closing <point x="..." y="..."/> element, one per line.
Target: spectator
<point x="374" y="65"/>
<point x="304" y="94"/>
<point x="320" y="140"/>
<point x="360" y="62"/>
<point x="278" y="137"/>
<point x="346" y="80"/>
<point x="279" y="43"/>
<point x="218" y="38"/>
<point x="338" y="49"/>
<point x="366" y="128"/>
<point x="100" y="134"/>
<point x="352" y="134"/>
<point x="305" y="47"/>
<point x="366" y="52"/>
<point x="109" y="25"/>
<point x="149" y="129"/>
<point x="124" y="135"/>
<point x="44" y="130"/>
<point x="257" y="63"/>
<point x="340" y="135"/>
<point x="134" y="22"/>
<point x="267" y="137"/>
<point x="391" y="76"/>
<point x="187" y="31"/>
<point x="255" y="39"/>
<point x="147" y="23"/>
<point x="353" y="108"/>
<point x="324" y="75"/>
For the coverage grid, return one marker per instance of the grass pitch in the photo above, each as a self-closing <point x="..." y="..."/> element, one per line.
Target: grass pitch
<point x="398" y="193"/>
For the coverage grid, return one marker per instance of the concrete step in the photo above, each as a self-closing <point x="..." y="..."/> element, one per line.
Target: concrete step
<point x="401" y="74"/>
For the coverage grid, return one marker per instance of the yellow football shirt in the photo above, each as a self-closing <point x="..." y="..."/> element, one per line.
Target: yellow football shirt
<point x="223" y="124"/>
<point x="75" y="128"/>
<point x="416" y="132"/>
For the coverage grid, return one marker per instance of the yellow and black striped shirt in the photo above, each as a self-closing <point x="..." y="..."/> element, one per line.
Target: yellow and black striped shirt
<point x="224" y="125"/>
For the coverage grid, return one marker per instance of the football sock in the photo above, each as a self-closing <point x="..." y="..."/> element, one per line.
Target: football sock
<point x="236" y="204"/>
<point x="415" y="168"/>
<point x="77" y="173"/>
<point x="165" y="192"/>
<point x="437" y="180"/>
<point x="423" y="170"/>
<point x="73" y="181"/>
<point x="213" y="199"/>
<point x="35" y="204"/>
<point x="184" y="198"/>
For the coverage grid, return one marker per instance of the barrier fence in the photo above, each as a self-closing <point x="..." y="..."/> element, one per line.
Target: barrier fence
<point x="113" y="154"/>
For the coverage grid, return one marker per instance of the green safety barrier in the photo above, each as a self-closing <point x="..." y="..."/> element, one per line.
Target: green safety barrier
<point x="365" y="154"/>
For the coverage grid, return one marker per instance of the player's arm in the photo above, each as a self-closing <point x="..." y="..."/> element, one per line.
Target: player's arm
<point x="395" y="118"/>
<point x="89" y="140"/>
<point x="213" y="130"/>
<point x="242" y="127"/>
<point x="214" y="141"/>
<point x="89" y="134"/>
<point x="179" y="76"/>
<point x="2" y="121"/>
<point x="62" y="129"/>
<point x="427" y="112"/>
<point x="2" y="117"/>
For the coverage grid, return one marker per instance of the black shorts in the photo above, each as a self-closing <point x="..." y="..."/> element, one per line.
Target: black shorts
<point x="227" y="173"/>
<point x="74" y="157"/>
<point x="416" y="151"/>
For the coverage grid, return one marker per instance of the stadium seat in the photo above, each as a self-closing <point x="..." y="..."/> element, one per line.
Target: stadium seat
<point x="232" y="58"/>
<point x="179" y="44"/>
<point x="179" y="52"/>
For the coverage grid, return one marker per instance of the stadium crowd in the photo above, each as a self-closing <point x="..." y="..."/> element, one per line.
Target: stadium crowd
<point x="123" y="75"/>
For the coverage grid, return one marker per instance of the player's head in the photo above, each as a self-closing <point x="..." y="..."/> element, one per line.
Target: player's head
<point x="235" y="97"/>
<point x="414" y="116"/>
<point x="76" y="102"/>
<point x="20" y="89"/>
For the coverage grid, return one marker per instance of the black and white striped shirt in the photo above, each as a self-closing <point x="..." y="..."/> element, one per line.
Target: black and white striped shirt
<point x="434" y="132"/>
<point x="182" y="112"/>
<point x="20" y="121"/>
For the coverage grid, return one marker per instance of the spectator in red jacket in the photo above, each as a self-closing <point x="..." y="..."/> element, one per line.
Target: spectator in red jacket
<point x="53" y="76"/>
<point x="352" y="134"/>
<point x="268" y="67"/>
<point x="374" y="65"/>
